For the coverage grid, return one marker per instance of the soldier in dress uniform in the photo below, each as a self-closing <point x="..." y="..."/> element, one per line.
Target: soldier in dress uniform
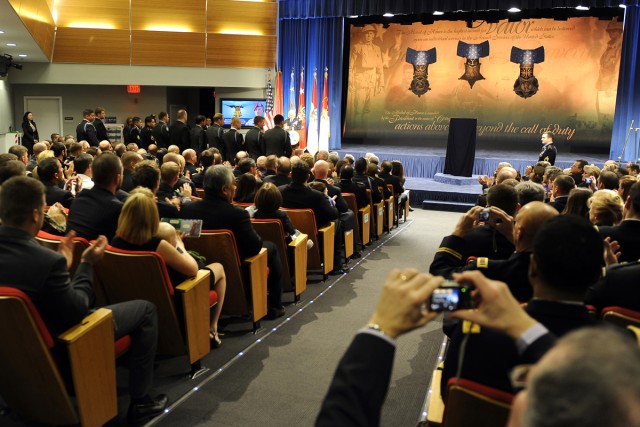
<point x="549" y="151"/>
<point x="366" y="68"/>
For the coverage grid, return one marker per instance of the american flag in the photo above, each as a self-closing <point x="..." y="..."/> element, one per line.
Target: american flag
<point x="268" y="123"/>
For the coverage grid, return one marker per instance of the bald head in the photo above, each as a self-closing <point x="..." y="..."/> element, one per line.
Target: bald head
<point x="39" y="147"/>
<point x="531" y="217"/>
<point x="320" y="169"/>
<point x="284" y="166"/>
<point x="105" y="146"/>
<point x="506" y="173"/>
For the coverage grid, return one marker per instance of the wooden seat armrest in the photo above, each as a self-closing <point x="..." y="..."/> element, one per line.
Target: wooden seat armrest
<point x="435" y="409"/>
<point x="636" y="331"/>
<point x="298" y="250"/>
<point x="257" y="270"/>
<point x="91" y="350"/>
<point x="327" y="236"/>
<point x="302" y="238"/>
<point x="194" y="294"/>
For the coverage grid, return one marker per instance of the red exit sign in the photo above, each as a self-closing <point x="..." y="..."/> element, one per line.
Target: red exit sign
<point x="133" y="89"/>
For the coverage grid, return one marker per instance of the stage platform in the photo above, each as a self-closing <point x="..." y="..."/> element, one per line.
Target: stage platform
<point x="421" y="164"/>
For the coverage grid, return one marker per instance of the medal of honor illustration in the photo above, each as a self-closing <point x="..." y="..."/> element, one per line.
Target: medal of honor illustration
<point x="472" y="53"/>
<point x="526" y="85"/>
<point x="420" y="59"/>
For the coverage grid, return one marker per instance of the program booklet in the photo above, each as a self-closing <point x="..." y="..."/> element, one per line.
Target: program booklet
<point x="191" y="227"/>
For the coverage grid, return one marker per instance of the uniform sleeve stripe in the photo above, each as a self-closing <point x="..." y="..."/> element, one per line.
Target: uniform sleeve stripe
<point x="450" y="251"/>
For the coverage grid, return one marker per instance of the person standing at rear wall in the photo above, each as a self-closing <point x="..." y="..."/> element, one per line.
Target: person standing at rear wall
<point x="549" y="150"/>
<point x="29" y="131"/>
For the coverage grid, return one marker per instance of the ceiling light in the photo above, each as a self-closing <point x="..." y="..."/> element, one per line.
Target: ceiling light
<point x="438" y="12"/>
<point x="240" y="32"/>
<point x="388" y="15"/>
<point x="22" y="55"/>
<point x="168" y="28"/>
<point x="92" y="25"/>
<point x="353" y="16"/>
<point x="11" y="44"/>
<point x="1" y="32"/>
<point x="622" y="5"/>
<point x="514" y="10"/>
<point x="580" y="7"/>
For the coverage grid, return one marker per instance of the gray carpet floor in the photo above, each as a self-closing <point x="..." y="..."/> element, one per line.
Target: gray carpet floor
<point x="282" y="379"/>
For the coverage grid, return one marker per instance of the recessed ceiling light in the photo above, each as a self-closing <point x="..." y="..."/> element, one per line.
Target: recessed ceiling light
<point x="23" y="55"/>
<point x="622" y="5"/>
<point x="582" y="7"/>
<point x="1" y="32"/>
<point x="514" y="10"/>
<point x="11" y="44"/>
<point x="388" y="15"/>
<point x="353" y="16"/>
<point x="438" y="12"/>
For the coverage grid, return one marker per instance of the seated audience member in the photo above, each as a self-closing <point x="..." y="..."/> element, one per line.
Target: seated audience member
<point x="246" y="188"/>
<point x="618" y="287"/>
<point x="347" y="185"/>
<point x="625" y="185"/>
<point x="217" y="212"/>
<point x="514" y="270"/>
<point x="484" y="240"/>
<point x="191" y="160"/>
<point x="206" y="160"/>
<point x="605" y="208"/>
<point x="11" y="168"/>
<point x="139" y="229"/>
<point x="321" y="155"/>
<point x="50" y="172"/>
<point x="182" y="180"/>
<point x="120" y="149"/>
<point x="627" y="233"/>
<point x="105" y="146"/>
<point x="385" y="175"/>
<point x="376" y="181"/>
<point x="562" y="186"/>
<point x="260" y="164"/>
<point x="609" y="181"/>
<point x="567" y="259"/>
<point x="634" y="170"/>
<point x="82" y="166"/>
<point x="503" y="174"/>
<point x="270" y="166"/>
<point x="96" y="211"/>
<point x="169" y="176"/>
<point x="360" y="175"/>
<point x="282" y="173"/>
<point x="268" y="202"/>
<point x="147" y="174"/>
<point x="129" y="161"/>
<point x="38" y="148"/>
<point x="63" y="302"/>
<point x="529" y="191"/>
<point x="577" y="170"/>
<point x="173" y="149"/>
<point x="21" y="152"/>
<point x="578" y="202"/>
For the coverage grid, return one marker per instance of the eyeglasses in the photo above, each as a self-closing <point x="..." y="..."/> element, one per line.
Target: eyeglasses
<point x="519" y="376"/>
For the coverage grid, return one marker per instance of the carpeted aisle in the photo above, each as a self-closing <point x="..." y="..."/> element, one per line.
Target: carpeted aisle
<point x="281" y="380"/>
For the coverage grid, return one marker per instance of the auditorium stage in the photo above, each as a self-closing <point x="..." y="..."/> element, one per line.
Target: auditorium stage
<point x="422" y="163"/>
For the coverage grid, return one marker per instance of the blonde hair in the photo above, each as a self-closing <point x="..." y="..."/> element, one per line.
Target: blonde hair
<point x="139" y="218"/>
<point x="44" y="155"/>
<point x="592" y="169"/>
<point x="607" y="205"/>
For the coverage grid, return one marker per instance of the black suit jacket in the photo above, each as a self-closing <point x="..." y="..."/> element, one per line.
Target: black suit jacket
<point x="101" y="130"/>
<point x="53" y="194"/>
<point x="254" y="143"/>
<point x="394" y="181"/>
<point x="357" y="188"/>
<point x="179" y="135"/>
<point x="197" y="138"/>
<point x="559" y="203"/>
<point x="127" y="182"/>
<point x="490" y="355"/>
<point x="29" y="135"/>
<point x="368" y="185"/>
<point x="486" y="241"/>
<point x="232" y="144"/>
<point x="161" y="135"/>
<point x="61" y="302"/>
<point x="214" y="135"/>
<point x="359" y="385"/>
<point x="277" y="179"/>
<point x="135" y="135"/>
<point x="298" y="196"/>
<point x="627" y="233"/>
<point x="85" y="131"/>
<point x="341" y="204"/>
<point x="94" y="212"/>
<point x="146" y="137"/>
<point x="548" y="154"/>
<point x="217" y="213"/>
<point x="277" y="142"/>
<point x="619" y="287"/>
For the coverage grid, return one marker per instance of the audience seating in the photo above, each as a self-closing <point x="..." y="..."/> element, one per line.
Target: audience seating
<point x="377" y="223"/>
<point x="294" y="263"/>
<point x="388" y="210"/>
<point x="621" y="316"/>
<point x="395" y="198"/>
<point x="363" y="216"/>
<point x="320" y="256"/>
<point x="246" y="293"/>
<point x="30" y="381"/>
<point x="472" y="404"/>
<point x="200" y="192"/>
<point x="183" y="310"/>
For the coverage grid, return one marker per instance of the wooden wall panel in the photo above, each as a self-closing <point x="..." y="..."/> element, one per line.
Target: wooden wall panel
<point x="101" y="14"/>
<point x="226" y="50"/>
<point x="37" y="18"/>
<point x="184" y="14"/>
<point x="90" y="46"/>
<point x="172" y="49"/>
<point x="257" y="18"/>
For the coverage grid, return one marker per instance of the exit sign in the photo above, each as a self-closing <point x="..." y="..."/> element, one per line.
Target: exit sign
<point x="133" y="89"/>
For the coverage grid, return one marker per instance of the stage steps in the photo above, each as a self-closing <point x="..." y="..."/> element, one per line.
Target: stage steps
<point x="437" y="205"/>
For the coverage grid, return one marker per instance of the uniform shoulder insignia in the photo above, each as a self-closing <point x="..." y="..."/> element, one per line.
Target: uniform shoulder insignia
<point x="482" y="262"/>
<point x="470" y="327"/>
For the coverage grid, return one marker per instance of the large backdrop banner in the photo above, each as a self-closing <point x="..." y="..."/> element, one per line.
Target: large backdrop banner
<point x="518" y="79"/>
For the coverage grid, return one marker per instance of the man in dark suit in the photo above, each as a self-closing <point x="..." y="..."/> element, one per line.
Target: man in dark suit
<point x="232" y="141"/>
<point x="129" y="160"/>
<point x="513" y="270"/>
<point x="214" y="133"/>
<point x="95" y="212"/>
<point x="283" y="169"/>
<point x="347" y="185"/>
<point x="51" y="174"/>
<point x="254" y="140"/>
<point x="567" y="259"/>
<point x="217" y="212"/>
<point x="147" y="174"/>
<point x="179" y="131"/>
<point x="85" y="131"/>
<point x="63" y="303"/>
<point x="627" y="233"/>
<point x="101" y="129"/>
<point x="277" y="140"/>
<point x="562" y="186"/>
<point x="360" y="175"/>
<point x="197" y="138"/>
<point x="146" y="134"/>
<point x="161" y="131"/>
<point x="619" y="287"/>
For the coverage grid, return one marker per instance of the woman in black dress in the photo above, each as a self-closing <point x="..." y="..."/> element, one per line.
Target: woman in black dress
<point x="29" y="131"/>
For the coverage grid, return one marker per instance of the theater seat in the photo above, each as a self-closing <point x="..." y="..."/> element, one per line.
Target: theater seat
<point x="621" y="316"/>
<point x="473" y="404"/>
<point x="30" y="381"/>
